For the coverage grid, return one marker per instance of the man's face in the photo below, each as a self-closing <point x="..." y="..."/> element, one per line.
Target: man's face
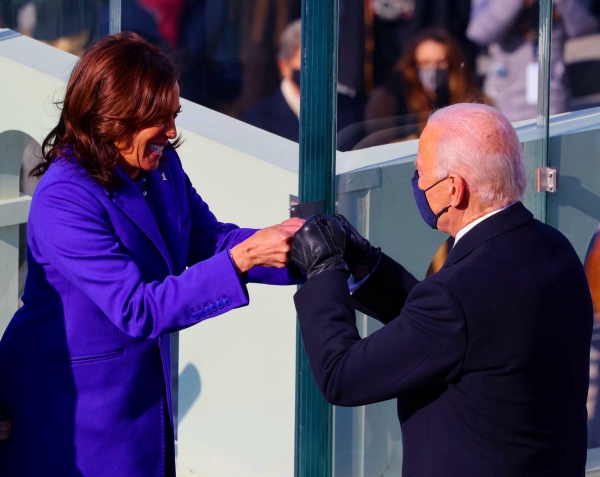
<point x="438" y="196"/>
<point x="287" y="67"/>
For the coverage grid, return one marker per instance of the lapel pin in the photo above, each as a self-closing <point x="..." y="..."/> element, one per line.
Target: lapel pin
<point x="162" y="174"/>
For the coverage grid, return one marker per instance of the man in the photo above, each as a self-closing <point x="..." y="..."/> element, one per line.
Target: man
<point x="489" y="357"/>
<point x="279" y="114"/>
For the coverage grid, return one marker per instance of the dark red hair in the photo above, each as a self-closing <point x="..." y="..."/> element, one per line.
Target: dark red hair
<point x="120" y="83"/>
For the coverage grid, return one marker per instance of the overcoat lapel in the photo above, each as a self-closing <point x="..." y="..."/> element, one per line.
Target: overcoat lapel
<point x="131" y="202"/>
<point x="500" y="223"/>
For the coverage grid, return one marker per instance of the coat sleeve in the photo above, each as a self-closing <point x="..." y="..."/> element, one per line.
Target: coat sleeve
<point x="424" y="345"/>
<point x="75" y="236"/>
<point x="210" y="237"/>
<point x="384" y="293"/>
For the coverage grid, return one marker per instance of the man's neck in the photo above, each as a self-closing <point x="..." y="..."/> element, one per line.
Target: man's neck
<point x="477" y="218"/>
<point x="471" y="216"/>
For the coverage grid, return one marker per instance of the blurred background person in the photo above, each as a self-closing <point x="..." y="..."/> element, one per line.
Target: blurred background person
<point x="279" y="114"/>
<point x="202" y="39"/>
<point x="431" y="73"/>
<point x="510" y="30"/>
<point x="392" y="25"/>
<point x="69" y="25"/>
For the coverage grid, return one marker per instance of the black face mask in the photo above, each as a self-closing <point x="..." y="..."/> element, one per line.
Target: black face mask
<point x="296" y="77"/>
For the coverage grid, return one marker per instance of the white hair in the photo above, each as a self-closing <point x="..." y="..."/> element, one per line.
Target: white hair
<point x="289" y="42"/>
<point x="480" y="145"/>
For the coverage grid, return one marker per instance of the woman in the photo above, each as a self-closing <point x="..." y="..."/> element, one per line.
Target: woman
<point x="114" y="222"/>
<point x="430" y="74"/>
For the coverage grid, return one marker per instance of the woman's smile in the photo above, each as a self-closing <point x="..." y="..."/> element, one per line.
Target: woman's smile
<point x="143" y="149"/>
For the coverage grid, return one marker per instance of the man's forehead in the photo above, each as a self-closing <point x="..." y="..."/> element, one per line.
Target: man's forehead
<point x="427" y="146"/>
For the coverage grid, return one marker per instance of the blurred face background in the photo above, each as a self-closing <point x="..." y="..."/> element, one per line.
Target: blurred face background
<point x="431" y="58"/>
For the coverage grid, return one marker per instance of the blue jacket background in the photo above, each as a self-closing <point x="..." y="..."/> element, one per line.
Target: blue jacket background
<point x="84" y="364"/>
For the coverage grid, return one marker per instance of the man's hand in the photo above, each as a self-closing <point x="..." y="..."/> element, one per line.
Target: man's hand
<point x="319" y="246"/>
<point x="360" y="255"/>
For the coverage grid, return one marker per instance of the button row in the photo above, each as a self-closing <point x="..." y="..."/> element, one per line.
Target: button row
<point x="211" y="308"/>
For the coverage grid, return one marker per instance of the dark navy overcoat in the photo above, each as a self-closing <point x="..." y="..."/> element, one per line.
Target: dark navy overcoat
<point x="488" y="358"/>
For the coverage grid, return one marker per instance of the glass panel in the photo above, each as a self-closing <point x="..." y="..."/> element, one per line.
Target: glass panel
<point x="237" y="57"/>
<point x="574" y="87"/>
<point x="69" y="25"/>
<point x="247" y="177"/>
<point x="399" y="60"/>
<point x="576" y="47"/>
<point x="415" y="57"/>
<point x="378" y="199"/>
<point x="367" y="439"/>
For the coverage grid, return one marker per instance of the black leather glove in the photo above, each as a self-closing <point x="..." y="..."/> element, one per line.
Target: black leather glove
<point x="360" y="255"/>
<point x="319" y="246"/>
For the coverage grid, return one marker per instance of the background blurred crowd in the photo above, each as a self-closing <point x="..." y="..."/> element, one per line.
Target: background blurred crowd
<point x="398" y="59"/>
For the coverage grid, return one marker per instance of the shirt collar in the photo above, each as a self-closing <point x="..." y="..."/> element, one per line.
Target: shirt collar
<point x="468" y="227"/>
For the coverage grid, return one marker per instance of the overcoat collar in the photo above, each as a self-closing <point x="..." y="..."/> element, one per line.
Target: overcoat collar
<point x="131" y="202"/>
<point x="498" y="224"/>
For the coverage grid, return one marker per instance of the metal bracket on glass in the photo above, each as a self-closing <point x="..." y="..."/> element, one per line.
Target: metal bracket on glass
<point x="306" y="209"/>
<point x="547" y="179"/>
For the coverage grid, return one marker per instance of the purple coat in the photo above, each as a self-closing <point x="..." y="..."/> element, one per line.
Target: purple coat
<point x="84" y="364"/>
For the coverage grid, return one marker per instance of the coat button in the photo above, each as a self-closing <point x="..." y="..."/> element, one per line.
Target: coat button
<point x="220" y="304"/>
<point x="201" y="313"/>
<point x="226" y="301"/>
<point x="207" y="310"/>
<point x="195" y="316"/>
<point x="213" y="307"/>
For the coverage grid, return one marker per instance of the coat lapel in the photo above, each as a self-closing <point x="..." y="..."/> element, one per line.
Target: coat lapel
<point x="129" y="199"/>
<point x="161" y="192"/>
<point x="502" y="222"/>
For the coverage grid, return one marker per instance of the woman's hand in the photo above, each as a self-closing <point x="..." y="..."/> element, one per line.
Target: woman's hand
<point x="268" y="247"/>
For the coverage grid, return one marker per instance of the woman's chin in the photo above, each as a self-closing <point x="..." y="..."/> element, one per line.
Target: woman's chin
<point x="151" y="163"/>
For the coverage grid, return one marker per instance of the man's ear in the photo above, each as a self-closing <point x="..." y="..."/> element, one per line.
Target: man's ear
<point x="457" y="187"/>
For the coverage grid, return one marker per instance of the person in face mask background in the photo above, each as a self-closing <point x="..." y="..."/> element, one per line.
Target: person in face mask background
<point x="431" y="73"/>
<point x="474" y="352"/>
<point x="279" y="114"/>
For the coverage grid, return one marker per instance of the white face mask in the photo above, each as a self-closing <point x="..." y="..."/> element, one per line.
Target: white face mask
<point x="433" y="78"/>
<point x="393" y="9"/>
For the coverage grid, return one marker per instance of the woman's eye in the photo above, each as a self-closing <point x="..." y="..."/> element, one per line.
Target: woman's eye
<point x="177" y="113"/>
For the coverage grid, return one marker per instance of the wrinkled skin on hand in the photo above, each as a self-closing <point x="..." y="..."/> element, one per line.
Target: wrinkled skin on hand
<point x="319" y="246"/>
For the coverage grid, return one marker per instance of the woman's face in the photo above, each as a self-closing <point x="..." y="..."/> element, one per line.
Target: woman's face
<point x="142" y="150"/>
<point x="431" y="54"/>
